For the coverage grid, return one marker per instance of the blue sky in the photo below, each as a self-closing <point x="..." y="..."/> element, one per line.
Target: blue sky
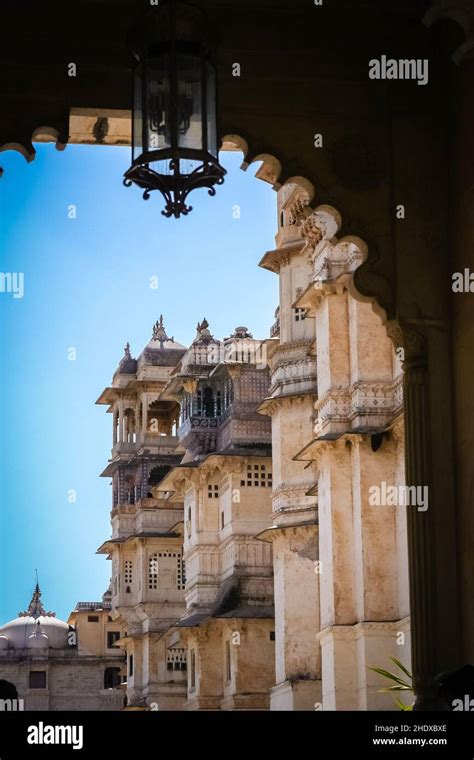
<point x="87" y="287"/>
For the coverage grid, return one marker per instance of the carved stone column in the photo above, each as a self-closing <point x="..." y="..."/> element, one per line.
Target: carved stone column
<point x="420" y="543"/>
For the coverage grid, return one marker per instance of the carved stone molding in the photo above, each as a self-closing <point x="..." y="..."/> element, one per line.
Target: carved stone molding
<point x="415" y="342"/>
<point x="368" y="405"/>
<point x="332" y="261"/>
<point x="298" y="209"/>
<point x="288" y="352"/>
<point x="320" y="224"/>
<point x="294" y="376"/>
<point x="413" y="338"/>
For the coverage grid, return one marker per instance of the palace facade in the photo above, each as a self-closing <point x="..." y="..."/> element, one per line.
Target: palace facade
<point x="250" y="568"/>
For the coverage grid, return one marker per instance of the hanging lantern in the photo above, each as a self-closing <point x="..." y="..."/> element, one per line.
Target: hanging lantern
<point x="174" y="129"/>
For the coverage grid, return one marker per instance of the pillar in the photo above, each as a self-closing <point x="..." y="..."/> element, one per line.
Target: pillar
<point x="120" y="420"/>
<point x="434" y="600"/>
<point x="144" y="413"/>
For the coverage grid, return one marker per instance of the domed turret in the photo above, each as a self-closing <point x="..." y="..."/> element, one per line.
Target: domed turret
<point x="35" y="628"/>
<point x="161" y="350"/>
<point x="128" y="365"/>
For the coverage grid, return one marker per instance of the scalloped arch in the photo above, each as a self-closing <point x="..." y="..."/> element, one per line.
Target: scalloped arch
<point x="271" y="170"/>
<point x="49" y="134"/>
<point x="42" y="134"/>
<point x="27" y="154"/>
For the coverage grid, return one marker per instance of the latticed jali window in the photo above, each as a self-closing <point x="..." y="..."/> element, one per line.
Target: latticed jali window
<point x="153" y="571"/>
<point x="176" y="659"/>
<point x="257" y="475"/>
<point x="181" y="575"/>
<point x="128" y="571"/>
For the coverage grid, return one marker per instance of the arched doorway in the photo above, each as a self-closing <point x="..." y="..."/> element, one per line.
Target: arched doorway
<point x="8" y="690"/>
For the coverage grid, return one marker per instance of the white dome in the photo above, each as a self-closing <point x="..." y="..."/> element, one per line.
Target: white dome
<point x="35" y="628"/>
<point x="22" y="632"/>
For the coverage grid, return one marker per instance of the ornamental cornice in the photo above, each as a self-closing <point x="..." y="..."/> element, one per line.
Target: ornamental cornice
<point x="270" y="405"/>
<point x="364" y="405"/>
<point x="293" y="345"/>
<point x="293" y="380"/>
<point x="231" y="465"/>
<point x="292" y="352"/>
<point x="293" y="488"/>
<point x="290" y="367"/>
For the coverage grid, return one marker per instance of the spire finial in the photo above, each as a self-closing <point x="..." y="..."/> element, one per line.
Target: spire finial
<point x="35" y="607"/>
<point x="159" y="332"/>
<point x="203" y="332"/>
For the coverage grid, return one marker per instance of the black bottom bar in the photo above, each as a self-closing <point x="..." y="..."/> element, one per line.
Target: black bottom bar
<point x="366" y="734"/>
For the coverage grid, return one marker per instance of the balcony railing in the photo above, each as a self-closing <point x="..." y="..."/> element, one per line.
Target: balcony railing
<point x="198" y="424"/>
<point x="150" y="439"/>
<point x="93" y="606"/>
<point x="123" y="448"/>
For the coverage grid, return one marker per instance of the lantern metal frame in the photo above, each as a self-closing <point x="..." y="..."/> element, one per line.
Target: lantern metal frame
<point x="147" y="49"/>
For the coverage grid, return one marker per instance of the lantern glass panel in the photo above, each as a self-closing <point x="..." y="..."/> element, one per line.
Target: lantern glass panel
<point x="137" y="137"/>
<point x="211" y="109"/>
<point x="189" y="110"/>
<point x="158" y="104"/>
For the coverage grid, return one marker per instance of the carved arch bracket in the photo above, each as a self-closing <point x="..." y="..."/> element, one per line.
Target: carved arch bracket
<point x="23" y="143"/>
<point x="320" y="223"/>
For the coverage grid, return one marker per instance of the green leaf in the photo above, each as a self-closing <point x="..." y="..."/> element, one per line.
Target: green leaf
<point x="405" y="708"/>
<point x="401" y="666"/>
<point x="391" y="677"/>
<point x="399" y="688"/>
<point x="399" y="683"/>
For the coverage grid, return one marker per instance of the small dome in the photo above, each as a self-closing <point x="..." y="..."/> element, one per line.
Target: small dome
<point x="128" y="365"/>
<point x="161" y="350"/>
<point x="22" y="630"/>
<point x="4" y="643"/>
<point x="31" y="629"/>
<point x="160" y="340"/>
